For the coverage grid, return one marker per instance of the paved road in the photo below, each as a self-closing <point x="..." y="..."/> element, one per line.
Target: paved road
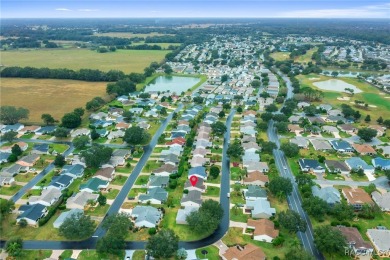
<point x="134" y="245"/>
<point x="39" y="176"/>
<point x="294" y="200"/>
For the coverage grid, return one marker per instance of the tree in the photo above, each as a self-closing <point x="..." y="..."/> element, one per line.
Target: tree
<point x="71" y="120"/>
<point x="214" y="171"/>
<point x="310" y="110"/>
<point x="102" y="200"/>
<point x="59" y="161"/>
<point x="9" y="136"/>
<point x="315" y="207"/>
<point x="163" y="111"/>
<point x="79" y="111"/>
<point x="16" y="150"/>
<point x="121" y="87"/>
<point x="95" y="103"/>
<point x="96" y="155"/>
<point x="334" y="74"/>
<point x="298" y="254"/>
<point x="239" y="109"/>
<point x="163" y="245"/>
<point x="136" y="135"/>
<point x="94" y="134"/>
<point x="271" y="108"/>
<point x="329" y="240"/>
<point x="292" y="221"/>
<point x="48" y="119"/>
<point x="181" y="253"/>
<point x="10" y="115"/>
<point x="218" y="128"/>
<point x="256" y="83"/>
<point x="23" y="223"/>
<point x="304" y="179"/>
<point x="80" y="142"/>
<point x="290" y="149"/>
<point x="367" y="119"/>
<point x="281" y="127"/>
<point x="110" y="244"/>
<point x="386" y="123"/>
<point x="235" y="150"/>
<point x="221" y="114"/>
<point x="168" y="70"/>
<point x="268" y="147"/>
<point x="226" y="106"/>
<point x="207" y="218"/>
<point x="280" y="186"/>
<point x="14" y="246"/>
<point x="77" y="226"/>
<point x="367" y="134"/>
<point x="198" y="100"/>
<point x="6" y="207"/>
<point x="266" y="116"/>
<point x="61" y="132"/>
<point x="224" y="78"/>
<point x="380" y="120"/>
<point x="342" y="211"/>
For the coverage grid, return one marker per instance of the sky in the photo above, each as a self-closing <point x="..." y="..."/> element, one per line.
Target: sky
<point x="194" y="8"/>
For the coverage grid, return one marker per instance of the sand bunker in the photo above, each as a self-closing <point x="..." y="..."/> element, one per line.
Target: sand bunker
<point x="343" y="98"/>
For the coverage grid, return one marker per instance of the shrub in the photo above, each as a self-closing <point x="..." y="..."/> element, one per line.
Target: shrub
<point x="152" y="231"/>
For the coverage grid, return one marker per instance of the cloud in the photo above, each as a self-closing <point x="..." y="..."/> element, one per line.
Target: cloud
<point x="63" y="9"/>
<point x="87" y="10"/>
<point x="371" y="11"/>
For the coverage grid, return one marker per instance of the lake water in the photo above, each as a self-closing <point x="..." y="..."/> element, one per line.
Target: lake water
<point x="172" y="83"/>
<point x="335" y="85"/>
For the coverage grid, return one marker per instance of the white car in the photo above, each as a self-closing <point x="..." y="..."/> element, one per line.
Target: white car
<point x="285" y="167"/>
<point x="228" y="195"/>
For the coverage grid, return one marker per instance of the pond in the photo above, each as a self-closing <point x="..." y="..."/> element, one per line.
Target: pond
<point x="335" y="85"/>
<point x="172" y="83"/>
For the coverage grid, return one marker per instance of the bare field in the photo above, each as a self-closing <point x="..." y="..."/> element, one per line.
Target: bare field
<point x="124" y="60"/>
<point x="52" y="96"/>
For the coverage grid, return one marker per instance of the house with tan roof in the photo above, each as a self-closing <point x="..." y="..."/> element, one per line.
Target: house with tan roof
<point x="357" y="197"/>
<point x="29" y="129"/>
<point x="8" y="149"/>
<point x="364" y="149"/>
<point x="256" y="178"/>
<point x="165" y="170"/>
<point x="355" y="241"/>
<point x="29" y="160"/>
<point x="379" y="129"/>
<point x="264" y="230"/>
<point x="249" y="252"/>
<point x="294" y="128"/>
<point x="80" y="200"/>
<point x="105" y="174"/>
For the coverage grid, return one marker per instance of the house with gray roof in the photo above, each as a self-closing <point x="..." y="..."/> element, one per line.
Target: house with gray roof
<point x="301" y="141"/>
<point x="61" y="182"/>
<point x="65" y="215"/>
<point x="334" y="166"/>
<point x="199" y="172"/>
<point x="4" y="157"/>
<point x="146" y="216"/>
<point x="170" y="158"/>
<point x="154" y="196"/>
<point x="121" y="153"/>
<point x="31" y="213"/>
<point x="321" y="145"/>
<point x="40" y="149"/>
<point x="199" y="186"/>
<point x="12" y="170"/>
<point x="380" y="239"/>
<point x="80" y="200"/>
<point x="329" y="194"/>
<point x="158" y="181"/>
<point x="250" y="157"/>
<point x="48" y="197"/>
<point x="382" y="200"/>
<point x="356" y="163"/>
<point x="341" y="146"/>
<point x="183" y="213"/>
<point x="311" y="165"/>
<point x="193" y="198"/>
<point x="74" y="170"/>
<point x="260" y="208"/>
<point x="15" y="127"/>
<point x="254" y="192"/>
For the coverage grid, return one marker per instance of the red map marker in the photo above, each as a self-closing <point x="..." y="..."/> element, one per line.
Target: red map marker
<point x="193" y="180"/>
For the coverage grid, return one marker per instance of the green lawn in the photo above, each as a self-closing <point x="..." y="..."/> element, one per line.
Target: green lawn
<point x="32" y="192"/>
<point x="99" y="211"/>
<point x="212" y="191"/>
<point x="142" y="180"/>
<point x="10" y="190"/>
<point x="34" y="254"/>
<point x="66" y="254"/>
<point x="119" y="180"/>
<point x="59" y="148"/>
<point x="135" y="191"/>
<point x="93" y="255"/>
<point x="46" y="180"/>
<point x="27" y="136"/>
<point x="45" y="137"/>
<point x="26" y="177"/>
<point x="217" y="180"/>
<point x="280" y="56"/>
<point x="212" y="253"/>
<point x="139" y="255"/>
<point x="112" y="194"/>
<point x="124" y="169"/>
<point x="238" y="215"/>
<point x="100" y="140"/>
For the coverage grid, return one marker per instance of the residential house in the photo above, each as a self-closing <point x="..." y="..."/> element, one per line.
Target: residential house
<point x="380" y="130"/>
<point x="115" y="134"/>
<point x="47" y="198"/>
<point x="259" y="208"/>
<point x="15" y="127"/>
<point x="256" y="166"/>
<point x="382" y="200"/>
<point x="294" y="119"/>
<point x="29" y="160"/>
<point x="355" y="241"/>
<point x="94" y="185"/>
<point x="254" y="193"/>
<point x="165" y="170"/>
<point x="316" y="120"/>
<point x="294" y="128"/>
<point x="341" y="146"/>
<point x="263" y="230"/>
<point x="347" y="128"/>
<point x="179" y="141"/>
<point x="310" y="165"/>
<point x="248" y="139"/>
<point x="31" y="213"/>
<point x="197" y="161"/>
<point x="321" y="145"/>
<point x="12" y="170"/>
<point x="183" y="213"/>
<point x="256" y="178"/>
<point x="250" y="157"/>
<point x="80" y="132"/>
<point x="65" y="215"/>
<point x="381" y="163"/>
<point x="46" y="130"/>
<point x="364" y="149"/>
<point x="357" y="197"/>
<point x="334" y="166"/>
<point x="40" y="149"/>
<point x="193" y="198"/>
<point x="330" y="129"/>
<point x="356" y="163"/>
<point x="4" y="157"/>
<point x="122" y="126"/>
<point x="29" y="129"/>
<point x="155" y="195"/>
<point x="80" y="200"/>
<point x="199" y="186"/>
<point x="329" y="194"/>
<point x="61" y="182"/>
<point x="380" y="240"/>
<point x="385" y="150"/>
<point x="251" y="147"/>
<point x="199" y="172"/>
<point x="105" y="174"/>
<point x="158" y="181"/>
<point x="302" y="142"/>
<point x="75" y="170"/>
<point x="8" y="149"/>
<point x="6" y="181"/>
<point x="146" y="216"/>
<point x="249" y="252"/>
<point x="170" y="158"/>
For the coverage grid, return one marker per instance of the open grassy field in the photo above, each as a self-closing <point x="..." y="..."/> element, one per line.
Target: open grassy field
<point x="369" y="94"/>
<point x="306" y="57"/>
<point x="52" y="96"/>
<point x="124" y="60"/>
<point x="129" y="35"/>
<point x="280" y="56"/>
